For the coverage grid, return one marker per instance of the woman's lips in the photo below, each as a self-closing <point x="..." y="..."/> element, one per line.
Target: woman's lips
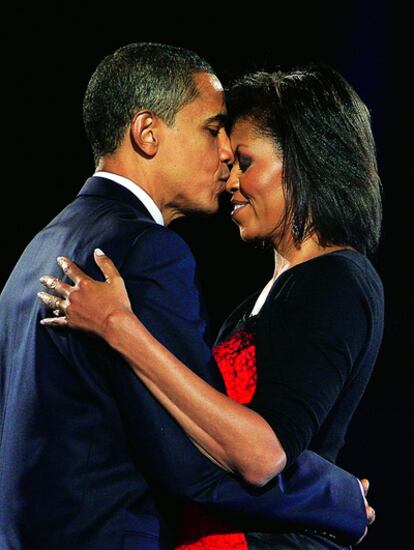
<point x="238" y="206"/>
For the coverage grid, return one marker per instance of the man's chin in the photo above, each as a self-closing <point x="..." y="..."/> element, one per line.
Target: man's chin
<point x="202" y="210"/>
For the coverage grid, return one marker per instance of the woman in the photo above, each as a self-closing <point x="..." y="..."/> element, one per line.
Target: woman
<point x="300" y="352"/>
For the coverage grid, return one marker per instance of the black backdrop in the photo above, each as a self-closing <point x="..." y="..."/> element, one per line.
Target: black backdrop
<point x="46" y="64"/>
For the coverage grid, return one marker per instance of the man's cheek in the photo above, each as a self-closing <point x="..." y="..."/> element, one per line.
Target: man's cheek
<point x="211" y="163"/>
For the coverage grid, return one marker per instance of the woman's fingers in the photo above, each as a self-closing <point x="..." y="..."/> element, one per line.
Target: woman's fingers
<point x="72" y="270"/>
<point x="56" y="284"/>
<point x="53" y="302"/>
<point x="106" y="265"/>
<point x="88" y="303"/>
<point x="365" y="485"/>
<point x="371" y="515"/>
<point x="369" y="509"/>
<point x="54" y="321"/>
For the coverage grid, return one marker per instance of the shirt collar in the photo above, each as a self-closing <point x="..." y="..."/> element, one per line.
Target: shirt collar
<point x="137" y="191"/>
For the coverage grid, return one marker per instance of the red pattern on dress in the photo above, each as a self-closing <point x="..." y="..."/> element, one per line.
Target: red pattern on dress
<point x="236" y="358"/>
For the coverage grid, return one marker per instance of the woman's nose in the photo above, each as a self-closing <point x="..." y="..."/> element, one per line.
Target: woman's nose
<point x="232" y="184"/>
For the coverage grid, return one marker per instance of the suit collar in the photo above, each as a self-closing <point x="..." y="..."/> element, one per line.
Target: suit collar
<point x="103" y="187"/>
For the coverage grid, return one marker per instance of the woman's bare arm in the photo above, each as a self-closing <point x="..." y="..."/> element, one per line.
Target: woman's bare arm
<point x="238" y="439"/>
<point x="235" y="437"/>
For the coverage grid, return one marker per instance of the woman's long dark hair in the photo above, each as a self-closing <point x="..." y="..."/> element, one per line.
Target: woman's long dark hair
<point x="322" y="129"/>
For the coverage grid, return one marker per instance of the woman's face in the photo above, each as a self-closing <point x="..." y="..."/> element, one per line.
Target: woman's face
<point x="256" y="184"/>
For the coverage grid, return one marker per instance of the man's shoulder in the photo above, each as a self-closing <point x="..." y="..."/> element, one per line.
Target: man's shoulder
<point x="159" y="239"/>
<point x="121" y="218"/>
<point x="158" y="246"/>
<point x="90" y="217"/>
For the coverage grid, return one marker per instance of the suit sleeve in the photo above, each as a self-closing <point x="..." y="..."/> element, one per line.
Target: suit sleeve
<point x="160" y="275"/>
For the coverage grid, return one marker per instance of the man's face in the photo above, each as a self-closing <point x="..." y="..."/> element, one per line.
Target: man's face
<point x="196" y="151"/>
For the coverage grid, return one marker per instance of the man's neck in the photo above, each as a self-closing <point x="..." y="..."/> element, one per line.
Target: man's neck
<point x="137" y="175"/>
<point x="142" y="179"/>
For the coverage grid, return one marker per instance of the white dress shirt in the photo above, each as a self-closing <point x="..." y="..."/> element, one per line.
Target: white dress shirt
<point x="138" y="192"/>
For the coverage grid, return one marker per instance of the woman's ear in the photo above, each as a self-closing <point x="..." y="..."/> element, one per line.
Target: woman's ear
<point x="144" y="132"/>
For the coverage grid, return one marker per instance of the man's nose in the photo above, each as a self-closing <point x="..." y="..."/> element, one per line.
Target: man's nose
<point x="226" y="152"/>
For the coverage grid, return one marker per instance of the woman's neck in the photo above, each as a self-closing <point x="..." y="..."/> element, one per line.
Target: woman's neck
<point x="291" y="255"/>
<point x="309" y="249"/>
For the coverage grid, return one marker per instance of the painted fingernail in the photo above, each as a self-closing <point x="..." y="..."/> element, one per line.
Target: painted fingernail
<point x="43" y="279"/>
<point x="61" y="260"/>
<point x="99" y="252"/>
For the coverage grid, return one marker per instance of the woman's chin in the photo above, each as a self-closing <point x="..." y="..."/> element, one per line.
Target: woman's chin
<point x="248" y="236"/>
<point x="255" y="238"/>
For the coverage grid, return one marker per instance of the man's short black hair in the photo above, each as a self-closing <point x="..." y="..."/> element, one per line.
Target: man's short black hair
<point x="154" y="76"/>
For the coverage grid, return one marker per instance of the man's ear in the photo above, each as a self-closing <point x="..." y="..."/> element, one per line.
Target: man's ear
<point x="145" y="132"/>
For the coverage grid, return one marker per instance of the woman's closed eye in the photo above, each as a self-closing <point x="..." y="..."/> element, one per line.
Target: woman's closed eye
<point x="243" y="162"/>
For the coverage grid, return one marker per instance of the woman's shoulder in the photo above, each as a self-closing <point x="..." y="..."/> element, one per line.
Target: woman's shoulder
<point x="340" y="273"/>
<point x="337" y="294"/>
<point x="339" y="280"/>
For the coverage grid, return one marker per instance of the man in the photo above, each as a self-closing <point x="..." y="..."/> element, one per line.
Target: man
<point x="89" y="459"/>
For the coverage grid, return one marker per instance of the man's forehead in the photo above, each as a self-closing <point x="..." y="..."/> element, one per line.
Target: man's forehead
<point x="210" y="104"/>
<point x="207" y="82"/>
<point x="210" y="91"/>
<point x="209" y="110"/>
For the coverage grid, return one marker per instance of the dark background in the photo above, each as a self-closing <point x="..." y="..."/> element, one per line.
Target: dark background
<point x="46" y="65"/>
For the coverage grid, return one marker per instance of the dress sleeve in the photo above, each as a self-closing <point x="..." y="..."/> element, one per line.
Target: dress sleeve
<point x="318" y="327"/>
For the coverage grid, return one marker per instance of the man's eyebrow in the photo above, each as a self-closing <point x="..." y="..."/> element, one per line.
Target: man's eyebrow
<point x="219" y="117"/>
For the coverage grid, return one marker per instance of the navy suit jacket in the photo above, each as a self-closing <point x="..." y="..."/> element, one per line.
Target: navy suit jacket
<point x="88" y="458"/>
